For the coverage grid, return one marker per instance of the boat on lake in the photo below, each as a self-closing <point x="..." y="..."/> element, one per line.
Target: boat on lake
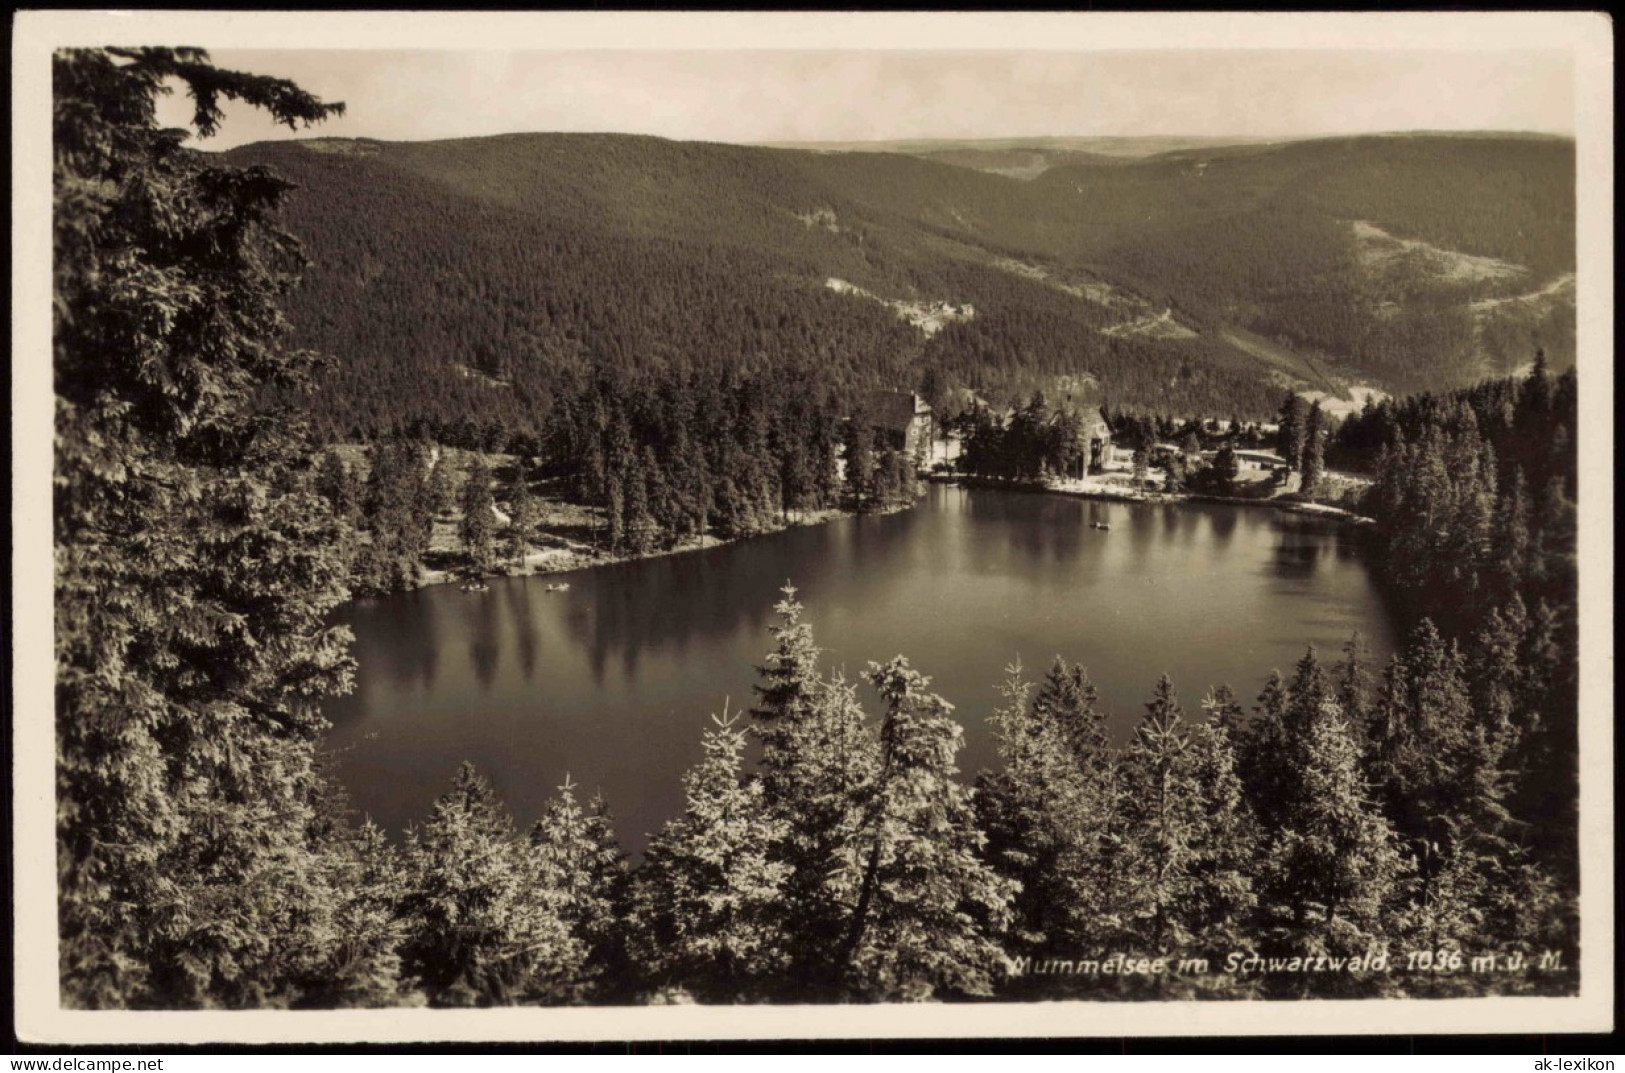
<point x="560" y="587"/>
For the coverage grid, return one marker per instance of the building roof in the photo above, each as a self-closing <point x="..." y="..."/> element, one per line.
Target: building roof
<point x="1083" y="402"/>
<point x="895" y="409"/>
<point x="1092" y="423"/>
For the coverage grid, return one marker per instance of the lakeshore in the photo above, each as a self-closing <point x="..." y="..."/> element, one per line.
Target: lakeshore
<point x="564" y="528"/>
<point x="1094" y="488"/>
<point x="566" y="534"/>
<point x="565" y="554"/>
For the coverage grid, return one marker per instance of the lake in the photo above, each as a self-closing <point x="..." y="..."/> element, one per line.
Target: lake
<point x="613" y="680"/>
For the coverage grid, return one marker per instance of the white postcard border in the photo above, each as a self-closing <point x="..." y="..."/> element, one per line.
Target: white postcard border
<point x="1586" y="36"/>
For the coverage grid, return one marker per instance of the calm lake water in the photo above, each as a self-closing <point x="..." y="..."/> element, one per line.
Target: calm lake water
<point x="613" y="680"/>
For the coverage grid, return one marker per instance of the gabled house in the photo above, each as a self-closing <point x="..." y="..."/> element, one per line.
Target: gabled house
<point x="905" y="419"/>
<point x="1094" y="434"/>
<point x="1097" y="438"/>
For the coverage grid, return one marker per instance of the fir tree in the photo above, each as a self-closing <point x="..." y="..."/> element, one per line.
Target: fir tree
<point x="1546" y="788"/>
<point x="194" y="569"/>
<point x="1499" y="682"/>
<point x="397" y="522"/>
<point x="336" y="483"/>
<point x="1291" y="424"/>
<point x="1226" y="468"/>
<point x="818" y="761"/>
<point x="1069" y="700"/>
<point x="579" y="858"/>
<point x="690" y="484"/>
<point x="1334" y="857"/>
<point x="1429" y="752"/>
<point x="599" y="917"/>
<point x="860" y="464"/>
<point x="1274" y="747"/>
<point x="438" y="492"/>
<point x="485" y="913"/>
<point x="928" y="909"/>
<point x="1162" y="801"/>
<point x="787" y="697"/>
<point x="1442" y="761"/>
<point x="1048" y="821"/>
<point x="1264" y="749"/>
<point x="662" y="508"/>
<point x="1224" y="710"/>
<point x="1512" y="541"/>
<point x="1313" y="452"/>
<point x="477" y="527"/>
<point x="704" y="900"/>
<point x="1352" y="688"/>
<point x="1010" y="808"/>
<point x="521" y="516"/>
<point x="1218" y="907"/>
<point x="360" y="965"/>
<point x="638" y="524"/>
<point x="1308" y="693"/>
<point x="826" y="447"/>
<point x="893" y="479"/>
<point x="1535" y="399"/>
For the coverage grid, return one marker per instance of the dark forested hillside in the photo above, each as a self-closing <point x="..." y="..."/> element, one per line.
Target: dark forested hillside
<point x="481" y="280"/>
<point x="1394" y="257"/>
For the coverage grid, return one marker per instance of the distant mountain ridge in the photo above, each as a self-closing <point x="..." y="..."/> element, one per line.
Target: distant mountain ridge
<point x="1096" y="145"/>
<point x="535" y="259"/>
<point x="1042" y="152"/>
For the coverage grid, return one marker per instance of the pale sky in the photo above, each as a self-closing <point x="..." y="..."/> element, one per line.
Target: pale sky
<point x="855" y="95"/>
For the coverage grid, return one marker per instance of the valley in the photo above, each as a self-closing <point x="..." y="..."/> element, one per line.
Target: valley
<point x="1184" y="276"/>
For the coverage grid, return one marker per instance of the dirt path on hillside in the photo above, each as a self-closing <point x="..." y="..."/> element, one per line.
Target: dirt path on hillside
<point x="1277" y="356"/>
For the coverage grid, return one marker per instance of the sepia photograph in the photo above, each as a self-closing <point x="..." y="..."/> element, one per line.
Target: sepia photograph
<point x="635" y="526"/>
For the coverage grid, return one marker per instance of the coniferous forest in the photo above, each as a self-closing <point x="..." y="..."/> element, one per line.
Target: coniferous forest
<point x="1355" y="830"/>
<point x="473" y="285"/>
